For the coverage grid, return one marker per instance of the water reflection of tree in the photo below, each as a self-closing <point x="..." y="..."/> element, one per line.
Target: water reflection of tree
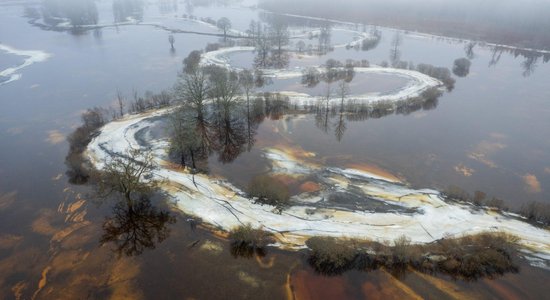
<point x="136" y="224"/>
<point x="496" y="54"/>
<point x="226" y="126"/>
<point x="395" y="53"/>
<point x="469" y="50"/>
<point x="133" y="229"/>
<point x="529" y="65"/>
<point x="347" y="109"/>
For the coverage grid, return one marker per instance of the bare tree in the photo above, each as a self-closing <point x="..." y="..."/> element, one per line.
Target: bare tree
<point x="395" y="53"/>
<point x="469" y="50"/>
<point x="279" y="37"/>
<point x="300" y="46"/>
<point x="262" y="45"/>
<point x="225" y="88"/>
<point x="322" y="117"/>
<point x="343" y="92"/>
<point x="224" y="24"/>
<point x="248" y="83"/>
<point x="193" y="88"/>
<point x="128" y="176"/>
<point x="185" y="142"/>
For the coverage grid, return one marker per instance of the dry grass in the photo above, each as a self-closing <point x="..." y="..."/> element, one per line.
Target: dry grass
<point x="470" y="257"/>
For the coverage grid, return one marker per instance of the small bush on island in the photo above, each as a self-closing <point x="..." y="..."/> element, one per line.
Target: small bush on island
<point x="92" y="120"/>
<point x="270" y="191"/>
<point x="247" y="241"/>
<point x="441" y="73"/>
<point x="487" y="254"/>
<point x="330" y="256"/>
<point x="461" y="67"/>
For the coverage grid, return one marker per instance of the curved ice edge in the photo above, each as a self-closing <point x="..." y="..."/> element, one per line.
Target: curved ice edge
<point x="219" y="203"/>
<point x="33" y="56"/>
<point x="417" y="84"/>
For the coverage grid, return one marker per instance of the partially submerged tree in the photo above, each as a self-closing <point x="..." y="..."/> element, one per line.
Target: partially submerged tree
<point x="461" y="67"/>
<point x="127" y="176"/>
<point x="171" y="40"/>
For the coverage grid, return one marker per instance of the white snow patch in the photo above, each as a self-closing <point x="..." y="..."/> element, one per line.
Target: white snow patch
<point x="33" y="56"/>
<point x="223" y="205"/>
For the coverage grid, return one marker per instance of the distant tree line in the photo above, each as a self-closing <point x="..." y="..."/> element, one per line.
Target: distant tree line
<point x="516" y="23"/>
<point x="538" y="213"/>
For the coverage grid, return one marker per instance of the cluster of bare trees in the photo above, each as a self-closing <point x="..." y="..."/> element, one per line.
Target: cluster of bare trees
<point x="213" y="116"/>
<point x="270" y="43"/>
<point x="534" y="211"/>
<point x="487" y="254"/>
<point x="333" y="71"/>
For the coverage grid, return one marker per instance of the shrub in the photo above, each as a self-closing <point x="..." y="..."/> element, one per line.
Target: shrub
<point x="331" y="256"/>
<point x="443" y="74"/>
<point x="247" y="241"/>
<point x="461" y="67"/>
<point x="212" y="47"/>
<point x="469" y="257"/>
<point x="269" y="190"/>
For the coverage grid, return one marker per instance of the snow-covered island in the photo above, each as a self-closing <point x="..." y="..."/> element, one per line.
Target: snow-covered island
<point x="377" y="207"/>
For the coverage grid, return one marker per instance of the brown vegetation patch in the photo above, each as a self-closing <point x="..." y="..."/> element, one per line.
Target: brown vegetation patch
<point x="468" y="257"/>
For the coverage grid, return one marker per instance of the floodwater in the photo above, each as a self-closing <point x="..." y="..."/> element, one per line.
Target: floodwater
<point x="488" y="134"/>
